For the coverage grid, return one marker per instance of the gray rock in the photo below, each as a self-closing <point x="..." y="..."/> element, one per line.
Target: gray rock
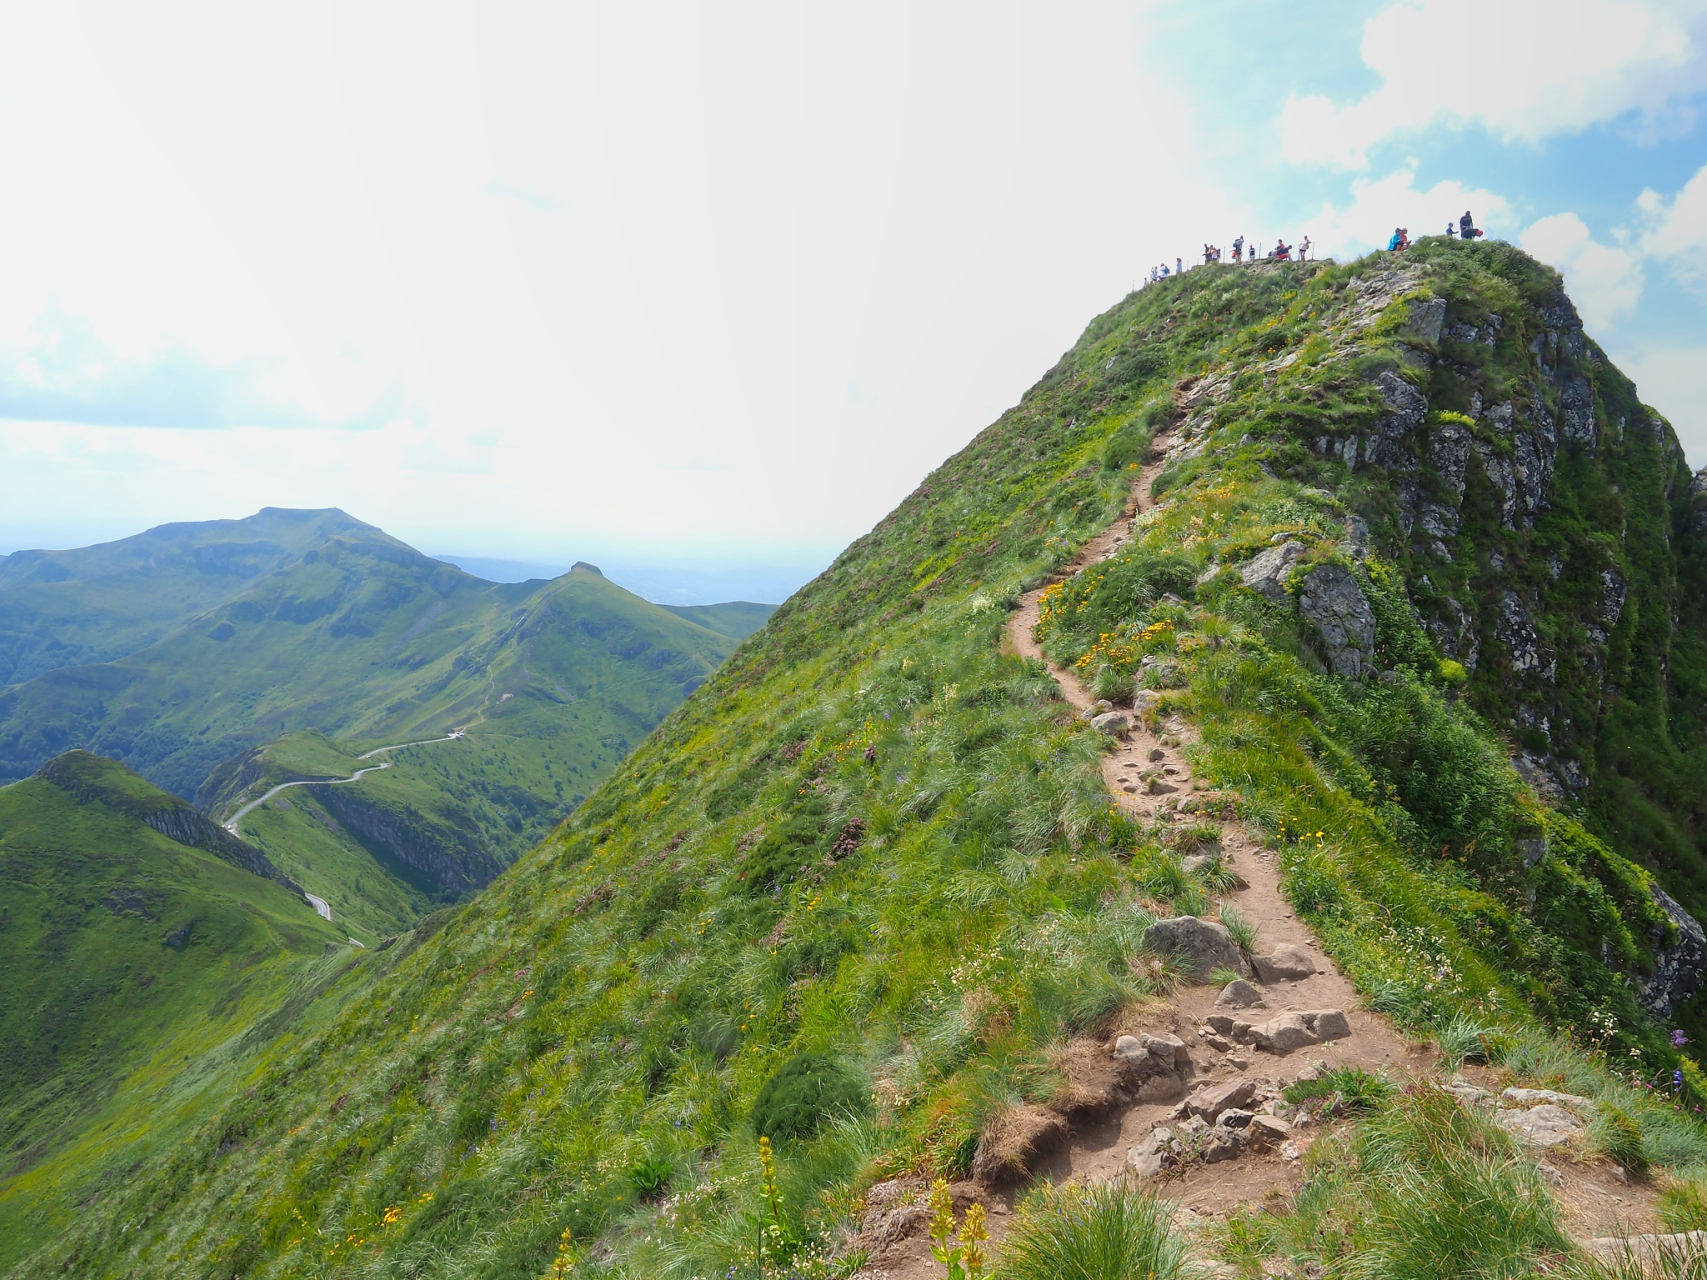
<point x="1678" y="964"/>
<point x="1296" y="1030"/>
<point x="1145" y="1166"/>
<point x="1199" y="862"/>
<point x="1440" y="522"/>
<point x="1502" y="477"/>
<point x="1220" y="1144"/>
<point x="1168" y="1050"/>
<point x="1159" y="673"/>
<point x="1613" y="592"/>
<point x="1426" y="317"/>
<point x="1535" y="1097"/>
<point x="1116" y="724"/>
<point x="1265" y="573"/>
<point x="1212" y="1099"/>
<point x="1235" y="1118"/>
<point x="1576" y="404"/>
<point x="1406" y="408"/>
<point x="1543" y="1126"/>
<point x="1332" y="600"/>
<point x="1268" y="1131"/>
<point x="1192" y="1126"/>
<point x="1522" y="644"/>
<point x="1286" y="963"/>
<point x="1240" y="995"/>
<point x="1197" y="946"/>
<point x="1449" y="451"/>
<point x="1159" y="1139"/>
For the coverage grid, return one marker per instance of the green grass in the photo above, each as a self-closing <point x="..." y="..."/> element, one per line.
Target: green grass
<point x="872" y="836"/>
<point x="131" y="957"/>
<point x="1109" y="1232"/>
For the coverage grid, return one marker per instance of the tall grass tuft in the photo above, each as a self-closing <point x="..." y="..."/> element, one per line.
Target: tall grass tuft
<point x="1428" y="1189"/>
<point x="1108" y="1232"/>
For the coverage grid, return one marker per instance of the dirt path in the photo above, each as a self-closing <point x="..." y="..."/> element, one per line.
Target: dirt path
<point x="1150" y="777"/>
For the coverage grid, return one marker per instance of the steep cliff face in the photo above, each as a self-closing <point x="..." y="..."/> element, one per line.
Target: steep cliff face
<point x="1415" y="534"/>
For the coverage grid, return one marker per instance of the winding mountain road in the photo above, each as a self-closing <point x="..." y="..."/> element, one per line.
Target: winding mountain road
<point x="320" y="904"/>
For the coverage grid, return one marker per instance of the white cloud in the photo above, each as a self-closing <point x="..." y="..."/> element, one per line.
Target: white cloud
<point x="628" y="259"/>
<point x="1523" y="71"/>
<point x="1605" y="281"/>
<point x="1677" y="231"/>
<point x="1378" y="205"/>
<point x="1673" y="379"/>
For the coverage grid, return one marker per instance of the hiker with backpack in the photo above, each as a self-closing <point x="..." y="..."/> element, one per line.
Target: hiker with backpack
<point x="1467" y="228"/>
<point x="1238" y="249"/>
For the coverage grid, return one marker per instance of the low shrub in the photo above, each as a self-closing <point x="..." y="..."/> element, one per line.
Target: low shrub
<point x="809" y="1089"/>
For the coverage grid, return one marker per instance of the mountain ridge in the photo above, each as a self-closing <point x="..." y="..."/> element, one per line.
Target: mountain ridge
<point x="875" y="860"/>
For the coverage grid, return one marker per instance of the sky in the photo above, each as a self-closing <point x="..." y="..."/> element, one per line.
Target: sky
<point x="704" y="290"/>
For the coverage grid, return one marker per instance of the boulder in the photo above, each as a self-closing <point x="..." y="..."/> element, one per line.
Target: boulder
<point x="1212" y="1099"/>
<point x="1296" y="1030"/>
<point x="1542" y="1126"/>
<point x="1221" y="1144"/>
<point x="1286" y="963"/>
<point x="1169" y="1050"/>
<point x="1265" y="572"/>
<point x="1332" y="600"/>
<point x="1197" y="946"/>
<point x="1199" y="862"/>
<point x="1235" y="1118"/>
<point x="1145" y="1166"/>
<point x="1239" y="995"/>
<point x="1268" y="1131"/>
<point x="1148" y="1066"/>
<point x="1116" y="724"/>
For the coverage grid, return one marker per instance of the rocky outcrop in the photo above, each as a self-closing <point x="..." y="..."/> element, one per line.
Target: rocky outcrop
<point x="1332" y="600"/>
<point x="1679" y="965"/>
<point x="1265" y="573"/>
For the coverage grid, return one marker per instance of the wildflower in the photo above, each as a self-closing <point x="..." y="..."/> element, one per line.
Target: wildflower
<point x="1678" y="1039"/>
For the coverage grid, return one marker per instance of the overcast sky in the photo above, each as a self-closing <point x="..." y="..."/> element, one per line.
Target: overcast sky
<point x="722" y="282"/>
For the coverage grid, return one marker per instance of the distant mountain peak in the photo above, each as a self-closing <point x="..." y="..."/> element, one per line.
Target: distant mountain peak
<point x="590" y="568"/>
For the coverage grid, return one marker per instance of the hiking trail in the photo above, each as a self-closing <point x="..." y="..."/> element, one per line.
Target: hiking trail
<point x="1149" y="775"/>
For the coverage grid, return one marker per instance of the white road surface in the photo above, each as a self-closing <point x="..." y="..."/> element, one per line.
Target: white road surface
<point x="320" y="904"/>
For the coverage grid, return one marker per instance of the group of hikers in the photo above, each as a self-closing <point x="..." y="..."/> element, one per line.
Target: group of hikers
<point x="1465" y="230"/>
<point x="1283" y="252"/>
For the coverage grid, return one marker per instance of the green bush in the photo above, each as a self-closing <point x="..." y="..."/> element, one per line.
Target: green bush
<point x="1355" y="1088"/>
<point x="810" y="1089"/>
<point x="1108" y="1232"/>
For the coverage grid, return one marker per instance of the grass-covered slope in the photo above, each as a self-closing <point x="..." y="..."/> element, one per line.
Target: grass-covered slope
<point x="860" y="889"/>
<point x="101" y="603"/>
<point x="122" y="952"/>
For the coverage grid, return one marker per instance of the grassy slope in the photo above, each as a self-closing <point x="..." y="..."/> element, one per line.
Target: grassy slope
<point x="98" y="604"/>
<point x="141" y="953"/>
<point x="873" y="837"/>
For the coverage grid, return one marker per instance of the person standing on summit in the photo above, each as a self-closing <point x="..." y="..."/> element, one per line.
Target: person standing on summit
<point x="1467" y="227"/>
<point x="1238" y="249"/>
